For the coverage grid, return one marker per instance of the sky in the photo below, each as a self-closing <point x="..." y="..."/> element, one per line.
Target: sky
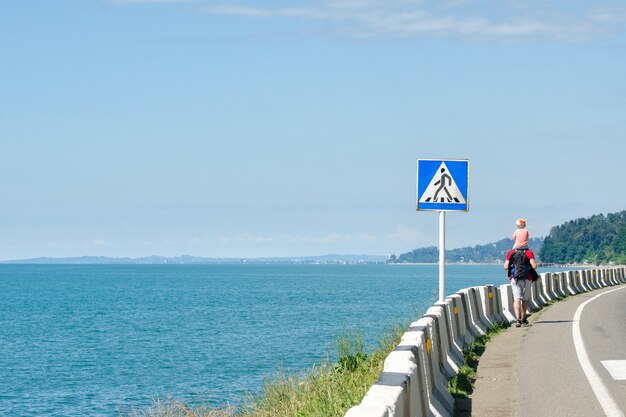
<point x="233" y="128"/>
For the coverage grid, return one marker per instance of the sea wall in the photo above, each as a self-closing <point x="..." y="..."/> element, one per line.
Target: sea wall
<point x="416" y="373"/>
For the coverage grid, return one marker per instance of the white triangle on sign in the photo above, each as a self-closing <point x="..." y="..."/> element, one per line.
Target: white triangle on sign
<point x="442" y="188"/>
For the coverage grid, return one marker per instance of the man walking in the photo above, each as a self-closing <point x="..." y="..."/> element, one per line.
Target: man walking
<point x="518" y="264"/>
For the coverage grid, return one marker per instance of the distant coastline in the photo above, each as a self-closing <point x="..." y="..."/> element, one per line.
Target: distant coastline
<point x="196" y="260"/>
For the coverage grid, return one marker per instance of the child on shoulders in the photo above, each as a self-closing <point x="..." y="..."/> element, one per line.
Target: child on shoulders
<point x="520" y="235"/>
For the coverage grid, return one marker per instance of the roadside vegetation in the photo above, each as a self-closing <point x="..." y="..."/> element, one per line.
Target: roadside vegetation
<point x="461" y="385"/>
<point x="326" y="390"/>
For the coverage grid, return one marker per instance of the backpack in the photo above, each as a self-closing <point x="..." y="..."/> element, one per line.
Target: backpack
<point x="519" y="265"/>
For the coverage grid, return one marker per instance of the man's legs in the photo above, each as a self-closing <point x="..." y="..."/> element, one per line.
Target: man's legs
<point x="517" y="306"/>
<point x="520" y="300"/>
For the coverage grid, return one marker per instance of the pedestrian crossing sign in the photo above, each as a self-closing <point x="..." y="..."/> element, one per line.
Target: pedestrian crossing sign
<point x="443" y="185"/>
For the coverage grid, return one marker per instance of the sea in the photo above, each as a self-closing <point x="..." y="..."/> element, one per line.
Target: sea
<point x="104" y="340"/>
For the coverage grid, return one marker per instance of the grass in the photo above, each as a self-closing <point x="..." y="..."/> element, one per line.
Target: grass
<point x="462" y="384"/>
<point x="329" y="389"/>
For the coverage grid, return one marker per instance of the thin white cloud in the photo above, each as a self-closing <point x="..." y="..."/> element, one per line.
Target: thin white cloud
<point x="147" y="1"/>
<point x="465" y="19"/>
<point x="321" y="239"/>
<point x="409" y="235"/>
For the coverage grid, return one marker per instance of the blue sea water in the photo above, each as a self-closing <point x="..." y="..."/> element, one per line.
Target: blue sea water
<point x="96" y="340"/>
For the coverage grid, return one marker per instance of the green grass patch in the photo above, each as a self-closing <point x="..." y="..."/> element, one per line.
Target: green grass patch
<point x="462" y="384"/>
<point x="329" y="389"/>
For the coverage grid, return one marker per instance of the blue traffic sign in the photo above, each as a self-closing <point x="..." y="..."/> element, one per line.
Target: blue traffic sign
<point x="443" y="184"/>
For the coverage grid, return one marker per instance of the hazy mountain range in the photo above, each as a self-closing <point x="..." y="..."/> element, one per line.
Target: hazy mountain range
<point x="187" y="259"/>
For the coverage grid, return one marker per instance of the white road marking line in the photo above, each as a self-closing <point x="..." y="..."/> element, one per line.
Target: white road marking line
<point x="599" y="389"/>
<point x="617" y="369"/>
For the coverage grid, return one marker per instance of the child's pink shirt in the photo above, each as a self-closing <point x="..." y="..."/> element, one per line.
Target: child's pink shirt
<point x="521" y="237"/>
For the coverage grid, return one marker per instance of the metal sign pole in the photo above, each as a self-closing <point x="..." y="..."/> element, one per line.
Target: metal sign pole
<point x="442" y="256"/>
<point x="442" y="185"/>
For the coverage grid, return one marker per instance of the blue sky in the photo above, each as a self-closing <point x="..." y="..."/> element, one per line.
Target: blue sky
<point x="247" y="129"/>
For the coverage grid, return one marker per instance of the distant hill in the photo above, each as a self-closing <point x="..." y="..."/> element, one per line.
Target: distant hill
<point x="187" y="260"/>
<point x="490" y="252"/>
<point x="597" y="239"/>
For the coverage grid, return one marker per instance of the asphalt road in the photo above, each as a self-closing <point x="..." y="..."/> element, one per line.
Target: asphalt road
<point x="605" y="340"/>
<point x="535" y="370"/>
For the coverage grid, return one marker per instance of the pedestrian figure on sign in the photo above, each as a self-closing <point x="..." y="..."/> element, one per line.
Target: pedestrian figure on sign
<point x="442" y="185"/>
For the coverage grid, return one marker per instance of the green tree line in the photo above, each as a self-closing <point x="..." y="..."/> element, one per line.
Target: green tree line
<point x="490" y="252"/>
<point x="598" y="239"/>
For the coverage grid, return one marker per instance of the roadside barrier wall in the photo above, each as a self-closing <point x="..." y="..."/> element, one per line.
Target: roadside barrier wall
<point x="414" y="381"/>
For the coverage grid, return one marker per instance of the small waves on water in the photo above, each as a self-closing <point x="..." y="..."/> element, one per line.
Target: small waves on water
<point x="98" y="339"/>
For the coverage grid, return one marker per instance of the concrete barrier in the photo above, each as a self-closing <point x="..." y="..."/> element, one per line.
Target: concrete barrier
<point x="450" y="359"/>
<point x="541" y="291"/>
<point x="456" y="341"/>
<point x="534" y="302"/>
<point x="549" y="284"/>
<point x="580" y="279"/>
<point x="598" y="277"/>
<point x="506" y="295"/>
<point x="416" y="339"/>
<point x="437" y="382"/>
<point x="570" y="282"/>
<point x="479" y="310"/>
<point x="474" y="324"/>
<point x="592" y="279"/>
<point x="461" y="314"/>
<point x="601" y="280"/>
<point x="589" y="278"/>
<point x="558" y="284"/>
<point x="416" y="373"/>
<point x="491" y="304"/>
<point x="548" y="293"/>
<point x="577" y="282"/>
<point x="500" y="316"/>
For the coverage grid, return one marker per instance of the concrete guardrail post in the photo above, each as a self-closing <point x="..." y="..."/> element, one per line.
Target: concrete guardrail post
<point x="597" y="277"/>
<point x="475" y="326"/>
<point x="462" y="316"/>
<point x="557" y="284"/>
<point x="534" y="302"/>
<point x="448" y="361"/>
<point x="571" y="286"/>
<point x="592" y="281"/>
<point x="580" y="276"/>
<point x="577" y="282"/>
<point x="418" y="337"/>
<point x="459" y="325"/>
<point x="547" y="286"/>
<point x="500" y="316"/>
<point x="491" y="305"/>
<point x="478" y="308"/>
<point x="541" y="291"/>
<point x="506" y="295"/>
<point x="456" y="341"/>
<point x="401" y="389"/>
<point x="553" y="286"/>
<point x="438" y="381"/>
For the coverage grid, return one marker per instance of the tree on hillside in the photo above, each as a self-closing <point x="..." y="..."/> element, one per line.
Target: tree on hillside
<point x="597" y="239"/>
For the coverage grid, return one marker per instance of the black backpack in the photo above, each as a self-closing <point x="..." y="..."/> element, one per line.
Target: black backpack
<point x="519" y="265"/>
